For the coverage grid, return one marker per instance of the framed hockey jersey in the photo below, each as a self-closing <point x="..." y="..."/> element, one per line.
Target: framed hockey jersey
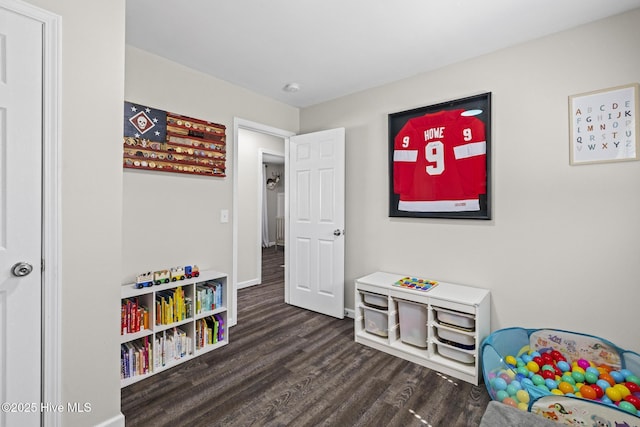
<point x="439" y="160"/>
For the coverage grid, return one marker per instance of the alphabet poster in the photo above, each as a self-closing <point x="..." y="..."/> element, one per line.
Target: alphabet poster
<point x="604" y="125"/>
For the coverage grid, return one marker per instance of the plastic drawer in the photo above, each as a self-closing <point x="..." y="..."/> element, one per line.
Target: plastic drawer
<point x="376" y="322"/>
<point x="413" y="323"/>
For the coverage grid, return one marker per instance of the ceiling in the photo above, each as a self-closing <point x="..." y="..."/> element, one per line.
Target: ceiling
<point x="332" y="48"/>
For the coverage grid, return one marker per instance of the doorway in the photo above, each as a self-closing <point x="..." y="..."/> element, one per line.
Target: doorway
<point x="254" y="145"/>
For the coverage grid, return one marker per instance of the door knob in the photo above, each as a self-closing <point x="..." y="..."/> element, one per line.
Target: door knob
<point x="22" y="269"/>
<point x="337" y="232"/>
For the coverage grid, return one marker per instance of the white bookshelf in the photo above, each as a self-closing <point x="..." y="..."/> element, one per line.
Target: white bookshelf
<point x="192" y="344"/>
<point x="379" y="327"/>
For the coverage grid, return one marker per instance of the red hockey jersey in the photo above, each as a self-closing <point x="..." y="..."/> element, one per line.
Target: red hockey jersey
<point x="439" y="162"/>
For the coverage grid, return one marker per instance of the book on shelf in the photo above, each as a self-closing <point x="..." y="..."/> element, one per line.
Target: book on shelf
<point x="134" y="316"/>
<point x="135" y="357"/>
<point x="208" y="296"/>
<point x="172" y="344"/>
<point x="172" y="305"/>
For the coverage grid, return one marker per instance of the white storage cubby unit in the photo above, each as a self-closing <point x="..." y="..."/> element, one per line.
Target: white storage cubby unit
<point x="441" y="328"/>
<point x="184" y="319"/>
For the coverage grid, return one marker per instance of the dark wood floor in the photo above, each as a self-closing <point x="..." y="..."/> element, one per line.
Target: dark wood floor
<point x="285" y="366"/>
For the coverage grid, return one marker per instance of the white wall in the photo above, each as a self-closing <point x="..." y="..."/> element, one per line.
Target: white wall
<point x="562" y="248"/>
<point x="249" y="177"/>
<point x="91" y="198"/>
<point x="173" y="219"/>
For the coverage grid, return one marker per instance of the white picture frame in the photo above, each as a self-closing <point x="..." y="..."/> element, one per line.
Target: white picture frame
<point x="604" y="125"/>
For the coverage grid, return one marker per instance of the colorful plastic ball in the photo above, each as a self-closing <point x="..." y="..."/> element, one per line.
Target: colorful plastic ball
<point x="551" y="384"/>
<point x="604" y="399"/>
<point x="526" y="382"/>
<point x="516" y="384"/>
<point x="584" y="364"/>
<point x="548" y="375"/>
<point x="510" y="360"/>
<point x="568" y="378"/>
<point x="533" y="367"/>
<point x="526" y="358"/>
<point x="624" y="391"/>
<point x="523" y="406"/>
<point x="538" y="360"/>
<point x="613" y="394"/>
<point x="578" y="376"/>
<point x="592" y="369"/>
<point x="603" y="384"/>
<point x="578" y="369"/>
<point x="522" y="396"/>
<point x="634" y="400"/>
<point x="565" y="387"/>
<point x="546" y="357"/>
<point x="509" y="401"/>
<point x="499" y="383"/>
<point x="507" y="376"/>
<point x="564" y="366"/>
<point x="599" y="391"/>
<point x="522" y="370"/>
<point x="535" y="354"/>
<point x="537" y="379"/>
<point x="590" y="377"/>
<point x="633" y="387"/>
<point x="557" y="391"/>
<point x="633" y="379"/>
<point x="626" y="372"/>
<point x="588" y="393"/>
<point x="557" y="356"/>
<point x="511" y="390"/>
<point x="501" y="395"/>
<point x="608" y="378"/>
<point x="628" y="407"/>
<point x="617" y="376"/>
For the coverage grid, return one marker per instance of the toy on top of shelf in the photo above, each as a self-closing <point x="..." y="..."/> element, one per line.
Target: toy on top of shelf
<point x="191" y="271"/>
<point x="161" y="276"/>
<point x="416" y="283"/>
<point x="144" y="280"/>
<point x="177" y="273"/>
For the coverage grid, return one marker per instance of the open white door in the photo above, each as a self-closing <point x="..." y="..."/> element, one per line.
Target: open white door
<point x="315" y="241"/>
<point x="21" y="77"/>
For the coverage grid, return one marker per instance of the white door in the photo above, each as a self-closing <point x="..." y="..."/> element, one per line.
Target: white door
<point x="315" y="248"/>
<point x="21" y="53"/>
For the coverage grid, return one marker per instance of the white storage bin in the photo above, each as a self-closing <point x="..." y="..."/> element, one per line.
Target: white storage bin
<point x="455" y="318"/>
<point x="454" y="354"/>
<point x="375" y="300"/>
<point x="413" y="323"/>
<point x="376" y="322"/>
<point x="456" y="339"/>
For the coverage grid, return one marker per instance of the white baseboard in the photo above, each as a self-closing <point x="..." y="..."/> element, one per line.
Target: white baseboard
<point x="117" y="421"/>
<point x="248" y="283"/>
<point x="350" y="313"/>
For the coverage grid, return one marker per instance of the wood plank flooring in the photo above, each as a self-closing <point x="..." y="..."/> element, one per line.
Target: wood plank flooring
<point x="285" y="366"/>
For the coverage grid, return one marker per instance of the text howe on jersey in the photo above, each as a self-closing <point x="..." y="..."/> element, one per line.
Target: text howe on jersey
<point x="439" y="160"/>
